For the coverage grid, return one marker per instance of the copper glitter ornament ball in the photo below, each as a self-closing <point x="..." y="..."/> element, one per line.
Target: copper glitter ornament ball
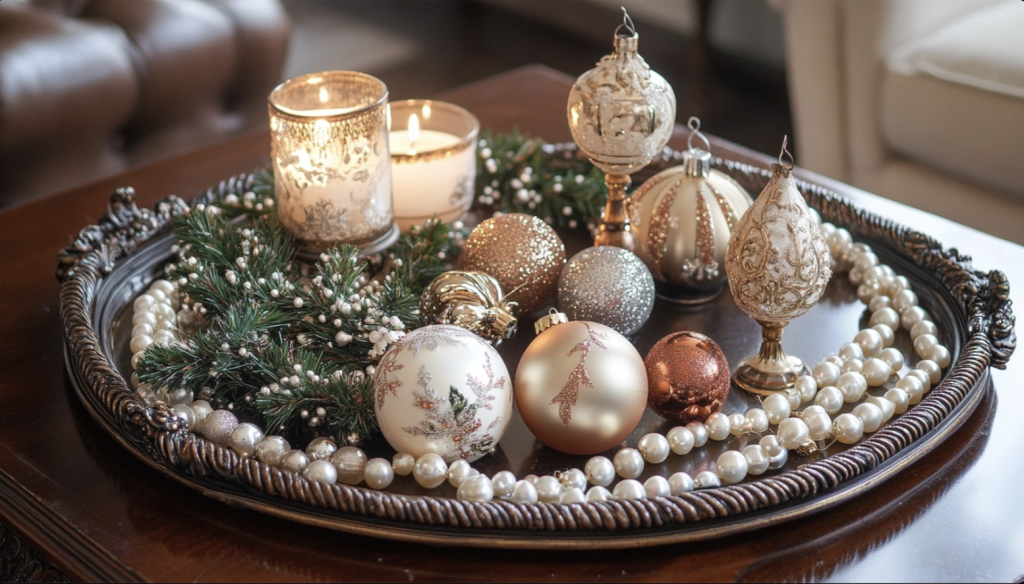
<point x="687" y="377"/>
<point x="522" y="253"/>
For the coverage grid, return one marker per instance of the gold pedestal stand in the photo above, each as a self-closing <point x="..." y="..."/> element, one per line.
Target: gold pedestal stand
<point x="771" y="370"/>
<point x="615" y="229"/>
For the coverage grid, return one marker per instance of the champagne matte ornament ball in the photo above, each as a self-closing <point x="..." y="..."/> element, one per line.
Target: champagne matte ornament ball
<point x="608" y="285"/>
<point x="581" y="387"/>
<point x="444" y="390"/>
<point x="522" y="253"/>
<point x="687" y="377"/>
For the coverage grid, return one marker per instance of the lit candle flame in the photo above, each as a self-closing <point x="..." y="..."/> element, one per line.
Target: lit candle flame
<point x="414" y="132"/>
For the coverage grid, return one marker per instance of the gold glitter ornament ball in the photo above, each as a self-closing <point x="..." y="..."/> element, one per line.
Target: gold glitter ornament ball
<point x="522" y="253"/>
<point x="609" y="285"/>
<point x="581" y="387"/>
<point x="688" y="377"/>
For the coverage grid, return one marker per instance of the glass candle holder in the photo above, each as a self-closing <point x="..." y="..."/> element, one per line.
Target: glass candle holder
<point x="332" y="171"/>
<point x="433" y="160"/>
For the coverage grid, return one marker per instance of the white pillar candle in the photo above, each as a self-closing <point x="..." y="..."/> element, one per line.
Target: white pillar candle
<point x="433" y="161"/>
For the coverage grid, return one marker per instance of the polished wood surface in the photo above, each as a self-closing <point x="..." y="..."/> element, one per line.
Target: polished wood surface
<point x="98" y="513"/>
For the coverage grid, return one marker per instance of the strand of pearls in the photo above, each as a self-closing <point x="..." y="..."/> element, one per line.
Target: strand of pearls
<point x="868" y="361"/>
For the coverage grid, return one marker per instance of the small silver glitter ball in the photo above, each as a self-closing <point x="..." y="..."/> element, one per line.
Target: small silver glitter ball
<point x="608" y="285"/>
<point x="218" y="427"/>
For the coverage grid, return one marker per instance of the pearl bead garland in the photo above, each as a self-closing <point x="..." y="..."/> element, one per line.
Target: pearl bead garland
<point x="868" y="361"/>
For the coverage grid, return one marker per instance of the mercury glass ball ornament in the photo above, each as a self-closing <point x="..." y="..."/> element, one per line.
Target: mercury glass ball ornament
<point x="778" y="266"/>
<point x="441" y="389"/>
<point x="683" y="218"/>
<point x="581" y="387"/>
<point x="521" y="252"/>
<point x="608" y="285"/>
<point x="687" y="377"/>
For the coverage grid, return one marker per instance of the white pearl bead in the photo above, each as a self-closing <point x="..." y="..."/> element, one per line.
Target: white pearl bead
<point x="874" y="274"/>
<point x="830" y="398"/>
<point x="819" y="424"/>
<point x="793" y="432"/>
<point x="924" y="327"/>
<point x="628" y="463"/>
<point x="912" y="316"/>
<point x="903" y="300"/>
<point x="887" y="316"/>
<point x="657" y="486"/>
<point x="777" y="453"/>
<point x="185" y="414"/>
<point x="163" y="338"/>
<point x="143" y="303"/>
<point x="793" y="397"/>
<point x="893" y="358"/>
<point x="532" y="478"/>
<point x="350" y="462"/>
<point x="244" y="439"/>
<point x="855" y="365"/>
<point x="181" y="395"/>
<point x="294" y="460"/>
<point x="899" y="398"/>
<point x="202" y="408"/>
<point x="524" y="492"/>
<point x="503" y="482"/>
<point x="321" y="448"/>
<point x="738" y="424"/>
<point x="378" y="473"/>
<point x="777" y="408"/>
<point x="887" y="334"/>
<point x="680" y="440"/>
<point x="849" y="428"/>
<point x="922" y="377"/>
<point x="164" y="286"/>
<point x="826" y="373"/>
<point x="876" y="372"/>
<point x="757" y="459"/>
<point x="888" y="408"/>
<point x="143" y="329"/>
<point x="163" y="312"/>
<point x="924" y="342"/>
<point x="870" y="341"/>
<point x="939" y="354"/>
<point x="879" y="302"/>
<point x="140" y="343"/>
<point x="718" y="426"/>
<point x="758" y="420"/>
<point x="838" y="242"/>
<point x="272" y="449"/>
<point x="158" y="295"/>
<point x="731" y="467"/>
<point x="680" y="483"/>
<point x="600" y="471"/>
<point x="459" y="470"/>
<point x="931" y="368"/>
<point x="654" y="448"/>
<point x="596" y="494"/>
<point x="700" y="434"/>
<point x="629" y="489"/>
<point x="573" y="495"/>
<point x="851" y="351"/>
<point x="913" y="387"/>
<point x="871" y="416"/>
<point x="476" y="488"/>
<point x="136" y="358"/>
<point x="321" y="471"/>
<point x="827" y="229"/>
<point x="852" y="385"/>
<point x="572" y="478"/>
<point x="430" y="470"/>
<point x="900" y="283"/>
<point x="807" y="387"/>
<point x="548" y="489"/>
<point x="865" y="261"/>
<point x="144" y="317"/>
<point x="855" y="276"/>
<point x="707" y="480"/>
<point x="403" y="463"/>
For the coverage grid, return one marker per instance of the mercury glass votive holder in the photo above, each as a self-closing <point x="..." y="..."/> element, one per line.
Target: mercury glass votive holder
<point x="433" y="160"/>
<point x="332" y="169"/>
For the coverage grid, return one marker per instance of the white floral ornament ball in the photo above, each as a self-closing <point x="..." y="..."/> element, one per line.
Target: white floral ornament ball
<point x="444" y="390"/>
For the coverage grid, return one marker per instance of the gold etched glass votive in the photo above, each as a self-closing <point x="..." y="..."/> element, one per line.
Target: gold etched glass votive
<point x="332" y="171"/>
<point x="433" y="160"/>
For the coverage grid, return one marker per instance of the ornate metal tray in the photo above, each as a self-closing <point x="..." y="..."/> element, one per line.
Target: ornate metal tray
<point x="108" y="264"/>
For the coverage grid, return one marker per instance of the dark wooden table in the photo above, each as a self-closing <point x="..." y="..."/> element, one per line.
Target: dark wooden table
<point x="69" y="494"/>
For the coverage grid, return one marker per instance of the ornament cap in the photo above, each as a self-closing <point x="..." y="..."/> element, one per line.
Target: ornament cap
<point x="697" y="161"/>
<point x="549" y="320"/>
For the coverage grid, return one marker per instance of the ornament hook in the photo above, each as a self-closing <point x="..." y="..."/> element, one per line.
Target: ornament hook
<point x="694" y="124"/>
<point x="626" y="22"/>
<point x="786" y="153"/>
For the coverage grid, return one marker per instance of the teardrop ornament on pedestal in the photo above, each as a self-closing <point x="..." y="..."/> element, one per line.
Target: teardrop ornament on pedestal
<point x="778" y="266"/>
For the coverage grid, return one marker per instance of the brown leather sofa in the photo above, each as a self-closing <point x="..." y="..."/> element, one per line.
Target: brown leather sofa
<point x="89" y="88"/>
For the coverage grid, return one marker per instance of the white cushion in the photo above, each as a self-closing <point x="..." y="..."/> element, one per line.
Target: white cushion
<point x="955" y="98"/>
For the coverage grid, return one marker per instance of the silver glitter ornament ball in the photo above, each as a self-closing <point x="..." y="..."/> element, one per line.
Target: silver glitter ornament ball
<point x="218" y="426"/>
<point x="608" y="285"/>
